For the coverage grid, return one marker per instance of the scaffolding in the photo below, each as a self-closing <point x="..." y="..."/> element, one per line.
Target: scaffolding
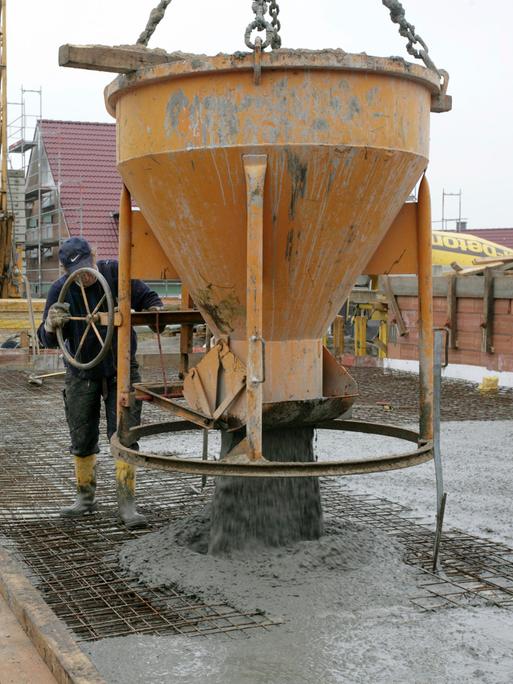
<point x="457" y="223"/>
<point x="46" y="227"/>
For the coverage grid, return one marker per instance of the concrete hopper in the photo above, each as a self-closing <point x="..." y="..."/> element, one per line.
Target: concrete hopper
<point x="345" y="139"/>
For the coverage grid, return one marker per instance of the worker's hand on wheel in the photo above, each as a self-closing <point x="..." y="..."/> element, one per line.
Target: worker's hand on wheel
<point x="58" y="316"/>
<point x="162" y="326"/>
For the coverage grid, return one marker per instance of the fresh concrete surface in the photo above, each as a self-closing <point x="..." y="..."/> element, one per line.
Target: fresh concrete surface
<point x="355" y="624"/>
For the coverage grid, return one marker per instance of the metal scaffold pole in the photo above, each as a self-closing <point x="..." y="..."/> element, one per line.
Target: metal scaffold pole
<point x="6" y="222"/>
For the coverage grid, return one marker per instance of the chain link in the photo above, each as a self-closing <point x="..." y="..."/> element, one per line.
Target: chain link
<point x="156" y="16"/>
<point x="260" y="23"/>
<point x="274" y="10"/>
<point x="407" y="30"/>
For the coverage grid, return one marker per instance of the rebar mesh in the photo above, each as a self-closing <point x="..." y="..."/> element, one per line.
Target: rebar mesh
<point x="75" y="566"/>
<point x="75" y="563"/>
<point x="473" y="570"/>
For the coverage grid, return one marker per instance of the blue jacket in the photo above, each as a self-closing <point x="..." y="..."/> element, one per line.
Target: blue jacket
<point x="142" y="298"/>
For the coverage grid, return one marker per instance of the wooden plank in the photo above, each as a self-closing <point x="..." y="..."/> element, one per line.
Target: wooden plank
<point x="452" y="310"/>
<point x="360" y="295"/>
<point x="188" y="317"/>
<point x="15" y="325"/>
<point x="493" y="260"/>
<point x="487" y="324"/>
<point x="118" y="60"/>
<point x="470" y="286"/>
<point x="475" y="270"/>
<point x="503" y="288"/>
<point x="171" y="360"/>
<point x="20" y="305"/>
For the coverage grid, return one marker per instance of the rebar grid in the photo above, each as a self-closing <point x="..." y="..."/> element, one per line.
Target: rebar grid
<point x="75" y="566"/>
<point x="75" y="563"/>
<point x="473" y="570"/>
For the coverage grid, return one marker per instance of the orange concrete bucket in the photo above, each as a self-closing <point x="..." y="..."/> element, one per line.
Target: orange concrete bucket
<point x="346" y="139"/>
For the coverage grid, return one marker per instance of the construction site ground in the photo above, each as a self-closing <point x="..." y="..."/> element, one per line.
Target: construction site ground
<point x="20" y="663"/>
<point x="377" y="615"/>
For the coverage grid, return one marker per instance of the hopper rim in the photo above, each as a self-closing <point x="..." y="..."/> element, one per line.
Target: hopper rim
<point x="278" y="60"/>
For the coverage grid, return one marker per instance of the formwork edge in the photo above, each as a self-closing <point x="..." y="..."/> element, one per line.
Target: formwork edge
<point x="51" y="638"/>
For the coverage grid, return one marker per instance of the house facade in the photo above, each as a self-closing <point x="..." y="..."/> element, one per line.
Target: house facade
<point x="72" y="189"/>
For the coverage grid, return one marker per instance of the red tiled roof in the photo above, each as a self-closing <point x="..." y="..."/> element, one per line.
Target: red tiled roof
<point x="502" y="236"/>
<point x="82" y="158"/>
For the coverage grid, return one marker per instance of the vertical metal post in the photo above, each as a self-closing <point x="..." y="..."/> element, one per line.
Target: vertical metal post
<point x="338" y="335"/>
<point x="488" y="304"/>
<point x="255" y="168"/>
<point x="124" y="303"/>
<point x="425" y="279"/>
<point x="35" y="340"/>
<point x="186" y="332"/>
<point x="204" y="456"/>
<point x="125" y="473"/>
<point x="441" y="496"/>
<point x="452" y="309"/>
<point x="383" y="338"/>
<point x="360" y="335"/>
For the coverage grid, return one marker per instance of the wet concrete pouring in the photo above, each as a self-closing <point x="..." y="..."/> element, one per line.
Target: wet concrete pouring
<point x="347" y="607"/>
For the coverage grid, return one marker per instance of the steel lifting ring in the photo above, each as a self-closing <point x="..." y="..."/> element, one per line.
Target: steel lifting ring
<point x="91" y="319"/>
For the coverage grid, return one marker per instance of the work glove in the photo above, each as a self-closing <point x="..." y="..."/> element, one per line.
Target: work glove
<point x="162" y="326"/>
<point x="58" y="316"/>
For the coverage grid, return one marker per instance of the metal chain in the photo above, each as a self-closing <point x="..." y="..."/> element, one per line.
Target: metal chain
<point x="260" y="23"/>
<point x="407" y="30"/>
<point x="156" y="16"/>
<point x="274" y="10"/>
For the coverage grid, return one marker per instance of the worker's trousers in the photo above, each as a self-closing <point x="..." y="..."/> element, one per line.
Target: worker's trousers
<point x="82" y="403"/>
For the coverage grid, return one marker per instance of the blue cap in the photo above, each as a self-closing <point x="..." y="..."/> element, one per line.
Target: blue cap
<point x="75" y="253"/>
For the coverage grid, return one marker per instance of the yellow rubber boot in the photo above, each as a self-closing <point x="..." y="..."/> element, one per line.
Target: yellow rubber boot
<point x="125" y="488"/>
<point x="85" y="472"/>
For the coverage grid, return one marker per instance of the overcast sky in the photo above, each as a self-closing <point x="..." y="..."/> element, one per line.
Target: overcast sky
<point x="471" y="147"/>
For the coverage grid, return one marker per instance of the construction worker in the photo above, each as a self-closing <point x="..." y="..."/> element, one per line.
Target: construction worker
<point x="84" y="389"/>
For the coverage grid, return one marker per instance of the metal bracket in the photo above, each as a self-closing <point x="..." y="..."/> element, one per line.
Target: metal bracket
<point x="215" y="382"/>
<point x="146" y="392"/>
<point x="257" y="61"/>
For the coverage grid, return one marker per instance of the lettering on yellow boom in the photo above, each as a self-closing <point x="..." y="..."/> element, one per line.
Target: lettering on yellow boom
<point x="449" y="246"/>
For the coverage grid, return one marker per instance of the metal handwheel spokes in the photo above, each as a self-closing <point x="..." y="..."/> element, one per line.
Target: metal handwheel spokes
<point x="91" y="319"/>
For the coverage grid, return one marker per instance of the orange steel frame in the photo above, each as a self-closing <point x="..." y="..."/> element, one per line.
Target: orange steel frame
<point x="418" y="222"/>
<point x="255" y="167"/>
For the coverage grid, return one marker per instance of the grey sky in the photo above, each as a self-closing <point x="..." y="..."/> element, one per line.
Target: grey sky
<point x="471" y="147"/>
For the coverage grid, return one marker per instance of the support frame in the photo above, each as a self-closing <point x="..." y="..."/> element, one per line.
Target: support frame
<point x="246" y="467"/>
